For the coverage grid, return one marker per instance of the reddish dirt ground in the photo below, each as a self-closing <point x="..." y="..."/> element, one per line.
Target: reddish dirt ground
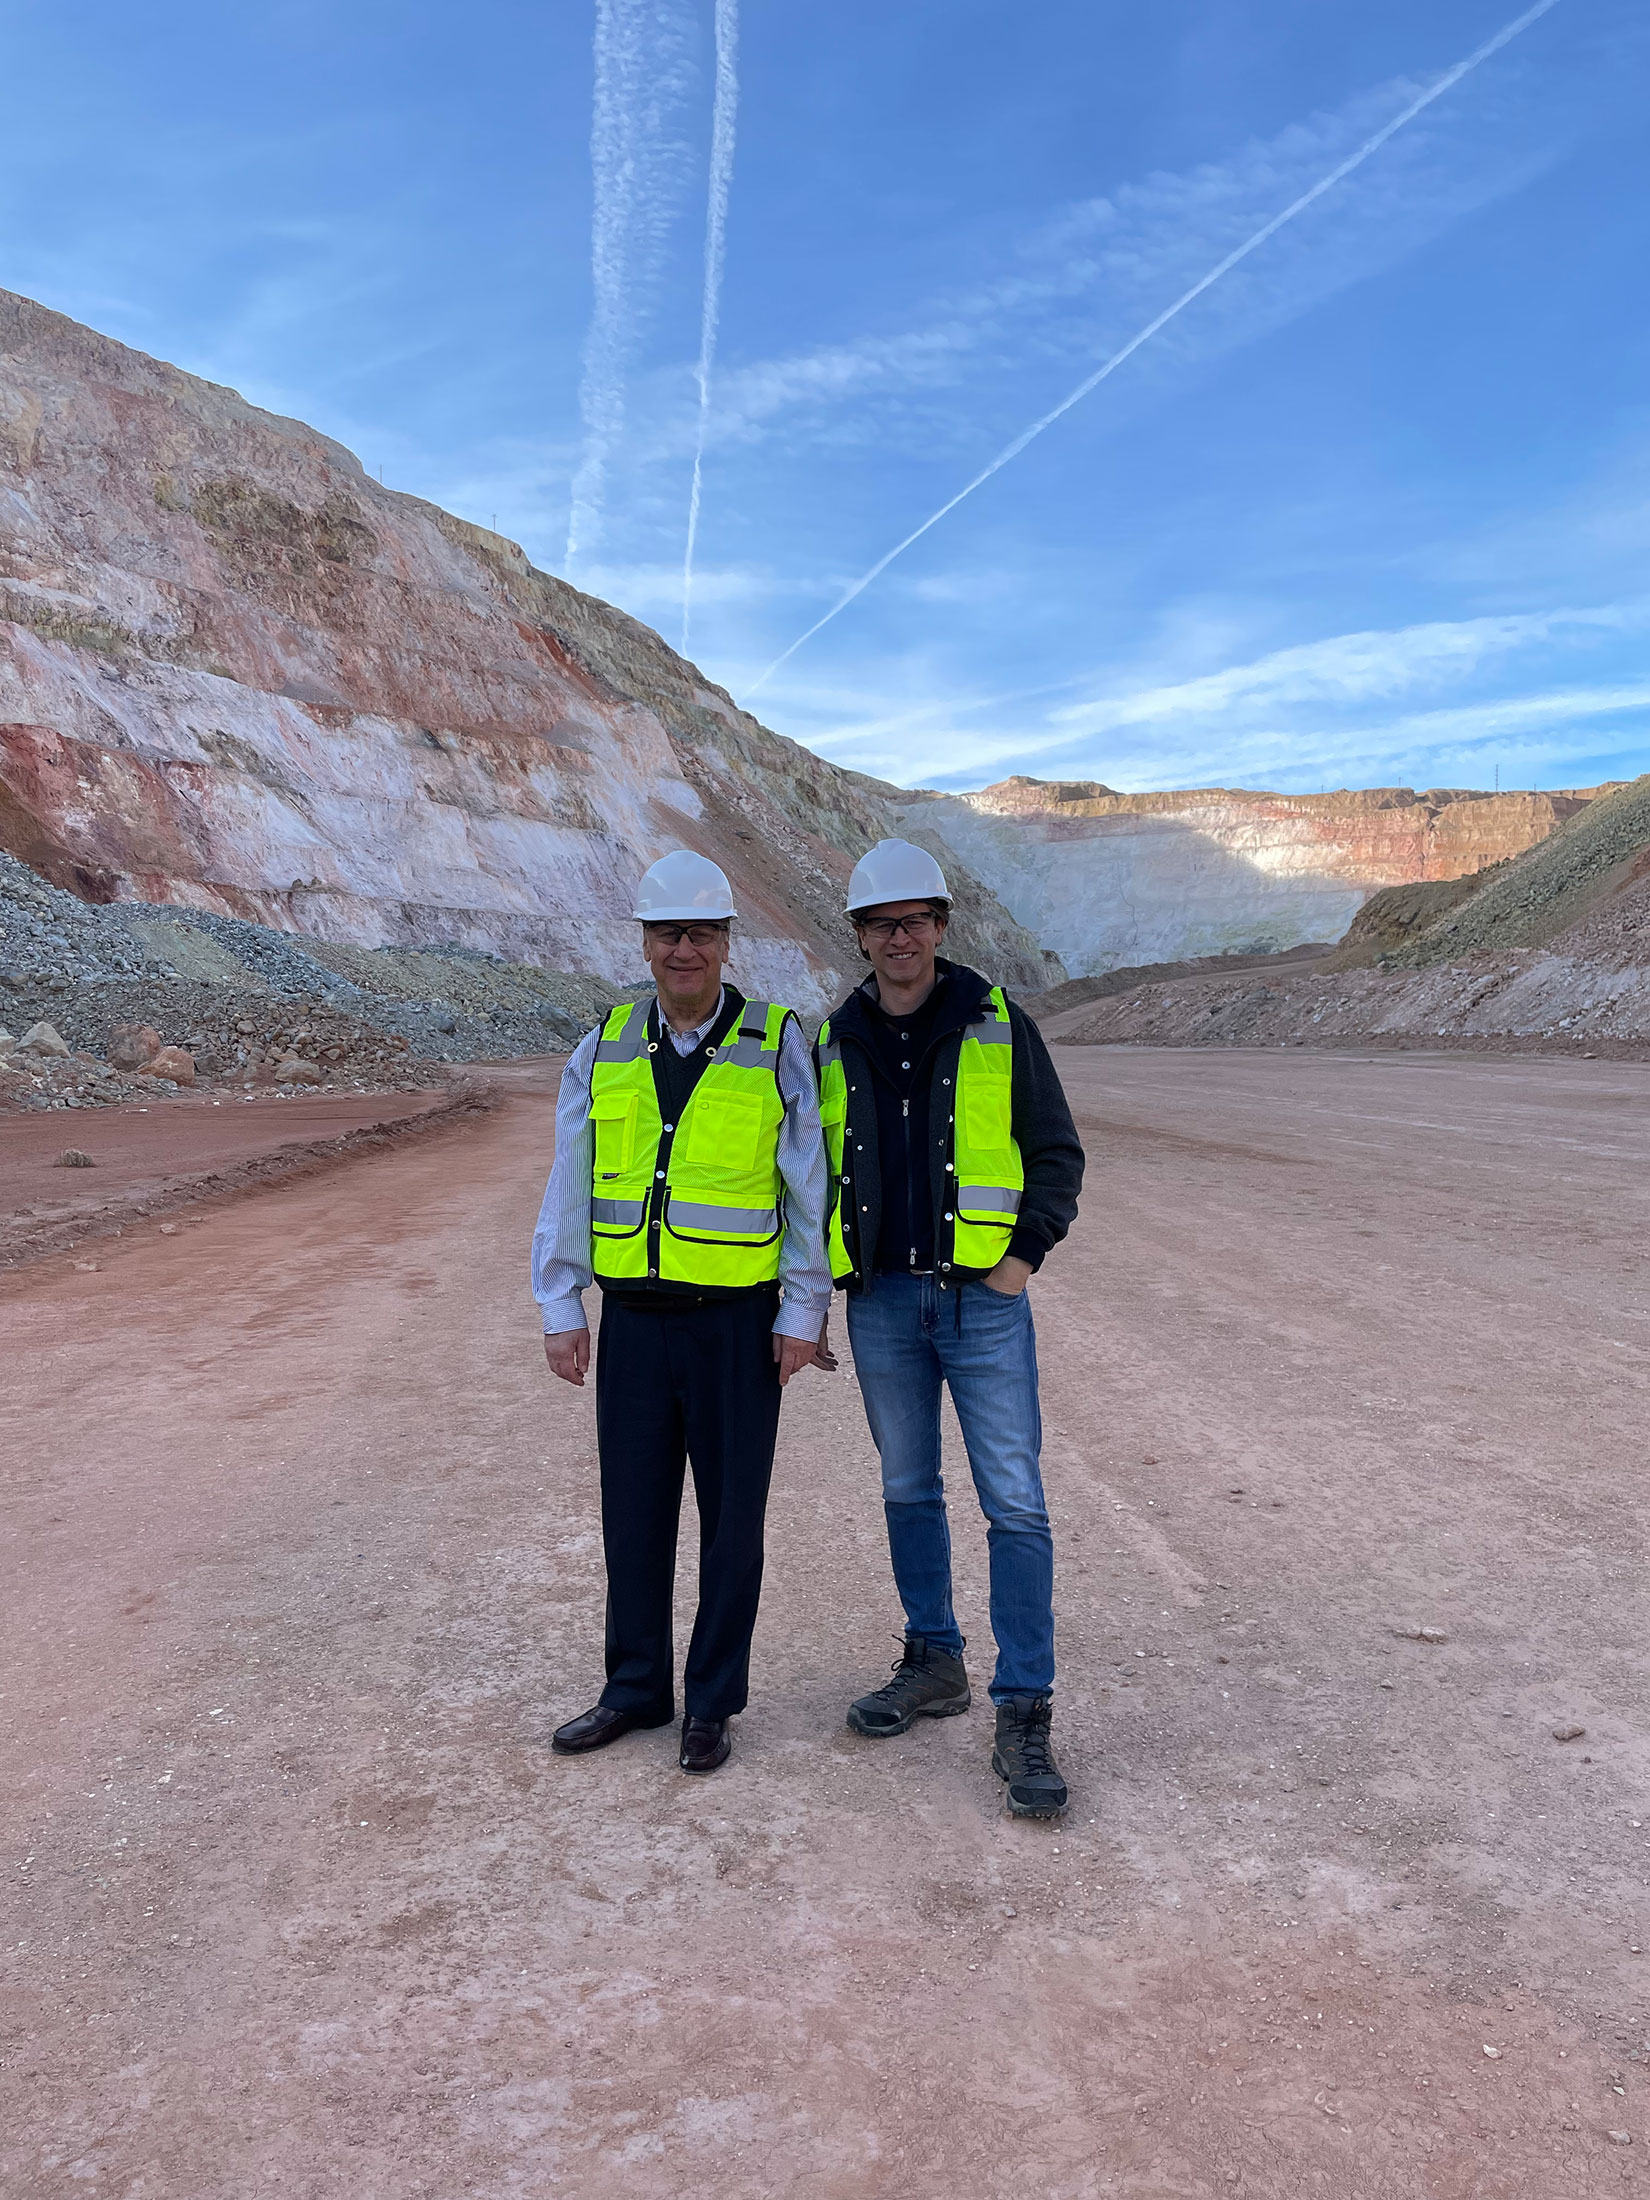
<point x="304" y="1565"/>
<point x="150" y="1158"/>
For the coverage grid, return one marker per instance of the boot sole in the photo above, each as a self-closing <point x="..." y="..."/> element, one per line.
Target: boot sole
<point x="1028" y="1810"/>
<point x="952" y="1708"/>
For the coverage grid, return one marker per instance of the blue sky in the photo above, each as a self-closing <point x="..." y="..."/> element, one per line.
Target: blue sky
<point x="1375" y="508"/>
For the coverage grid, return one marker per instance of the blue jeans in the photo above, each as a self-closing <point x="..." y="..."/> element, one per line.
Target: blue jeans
<point x="907" y="1339"/>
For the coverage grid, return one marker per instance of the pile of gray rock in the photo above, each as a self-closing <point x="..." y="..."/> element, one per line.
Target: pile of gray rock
<point x="41" y="1070"/>
<point x="241" y="996"/>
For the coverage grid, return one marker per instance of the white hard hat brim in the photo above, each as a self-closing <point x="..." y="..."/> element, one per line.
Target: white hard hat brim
<point x="685" y="916"/>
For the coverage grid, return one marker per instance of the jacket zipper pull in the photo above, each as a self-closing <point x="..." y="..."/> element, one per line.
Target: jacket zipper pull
<point x="905" y="1107"/>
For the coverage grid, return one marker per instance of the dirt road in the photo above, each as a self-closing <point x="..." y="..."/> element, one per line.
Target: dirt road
<point x="303" y="1565"/>
<point x="160" y="1156"/>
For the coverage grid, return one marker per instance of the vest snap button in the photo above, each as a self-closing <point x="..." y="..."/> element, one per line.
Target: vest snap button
<point x="946" y="1265"/>
<point x="659" y="1175"/>
<point x="949" y="1217"/>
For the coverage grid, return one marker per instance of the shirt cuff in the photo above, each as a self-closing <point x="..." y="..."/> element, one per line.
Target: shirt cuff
<point x="1022" y="1245"/>
<point x="564" y="1314"/>
<point x="796" y="1318"/>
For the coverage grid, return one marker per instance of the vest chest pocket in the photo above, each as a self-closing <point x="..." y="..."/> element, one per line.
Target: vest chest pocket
<point x="985" y="1112"/>
<point x="723" y="1134"/>
<point x="613" y="1118"/>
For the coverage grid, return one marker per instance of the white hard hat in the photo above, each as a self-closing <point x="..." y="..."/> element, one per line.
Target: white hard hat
<point x="682" y="887"/>
<point x="895" y="870"/>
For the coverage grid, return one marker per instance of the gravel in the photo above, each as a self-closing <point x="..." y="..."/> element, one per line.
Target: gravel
<point x="192" y="974"/>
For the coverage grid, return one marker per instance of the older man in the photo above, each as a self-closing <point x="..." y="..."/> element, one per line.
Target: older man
<point x="689" y="1183"/>
<point x="955" y="1168"/>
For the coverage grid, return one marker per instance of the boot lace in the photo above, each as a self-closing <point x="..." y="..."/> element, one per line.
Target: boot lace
<point x="1034" y="1744"/>
<point x="907" y="1672"/>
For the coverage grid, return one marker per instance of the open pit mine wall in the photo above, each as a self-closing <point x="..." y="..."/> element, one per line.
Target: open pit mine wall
<point x="239" y="675"/>
<point x="1107" y="880"/>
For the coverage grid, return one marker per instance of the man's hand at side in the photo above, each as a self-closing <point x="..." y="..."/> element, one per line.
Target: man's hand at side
<point x="568" y="1352"/>
<point x="792" y="1355"/>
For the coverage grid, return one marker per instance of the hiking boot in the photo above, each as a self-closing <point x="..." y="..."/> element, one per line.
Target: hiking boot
<point x="927" y="1684"/>
<point x="1024" y="1757"/>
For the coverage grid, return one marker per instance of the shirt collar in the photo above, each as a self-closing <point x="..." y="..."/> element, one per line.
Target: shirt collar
<point x="685" y="1042"/>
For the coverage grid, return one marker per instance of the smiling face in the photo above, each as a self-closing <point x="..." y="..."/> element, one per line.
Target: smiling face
<point x="686" y="961"/>
<point x="900" y="940"/>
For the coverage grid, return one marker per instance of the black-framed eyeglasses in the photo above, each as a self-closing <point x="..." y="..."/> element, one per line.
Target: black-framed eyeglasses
<point x="915" y="927"/>
<point x="699" y="935"/>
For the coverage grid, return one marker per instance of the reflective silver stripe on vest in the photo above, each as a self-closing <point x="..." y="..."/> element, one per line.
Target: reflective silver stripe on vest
<point x="994" y="1032"/>
<point x="745" y="1045"/>
<point x="690" y="1214"/>
<point x="829" y="1052"/>
<point x="991" y="1199"/>
<point x="621" y="1213"/>
<point x="631" y="1044"/>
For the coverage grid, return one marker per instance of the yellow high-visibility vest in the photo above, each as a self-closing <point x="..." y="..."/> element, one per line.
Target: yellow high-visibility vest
<point x="984" y="1169"/>
<point x="699" y="1200"/>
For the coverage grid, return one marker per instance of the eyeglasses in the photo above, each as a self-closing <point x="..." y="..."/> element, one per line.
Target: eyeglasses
<point x="672" y="935"/>
<point x="915" y="927"/>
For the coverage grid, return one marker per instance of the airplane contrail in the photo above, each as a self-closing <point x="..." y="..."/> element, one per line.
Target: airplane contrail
<point x="723" y="115"/>
<point x="1338" y="174"/>
<point x="640" y="74"/>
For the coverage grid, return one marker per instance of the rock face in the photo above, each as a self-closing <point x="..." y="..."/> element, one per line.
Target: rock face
<point x="238" y="675"/>
<point x="1550" y="952"/>
<point x="1106" y="879"/>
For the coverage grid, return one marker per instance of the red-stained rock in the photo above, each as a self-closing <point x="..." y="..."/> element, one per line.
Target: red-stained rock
<point x="173" y="1062"/>
<point x="131" y="1045"/>
<point x="238" y="674"/>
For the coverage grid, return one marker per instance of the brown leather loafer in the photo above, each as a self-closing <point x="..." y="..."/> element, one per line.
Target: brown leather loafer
<point x="595" y="1728"/>
<point x="705" y="1744"/>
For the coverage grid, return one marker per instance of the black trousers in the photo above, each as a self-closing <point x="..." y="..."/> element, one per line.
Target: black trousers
<point x="696" y="1382"/>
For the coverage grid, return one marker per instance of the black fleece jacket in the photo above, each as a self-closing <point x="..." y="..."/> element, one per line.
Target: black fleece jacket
<point x="879" y="1192"/>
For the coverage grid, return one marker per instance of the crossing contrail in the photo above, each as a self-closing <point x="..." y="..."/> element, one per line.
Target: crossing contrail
<point x="1338" y="174"/>
<point x="640" y="57"/>
<point x="723" y="115"/>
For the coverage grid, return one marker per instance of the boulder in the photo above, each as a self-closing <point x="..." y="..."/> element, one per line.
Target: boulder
<point x="131" y="1045"/>
<point x="175" y="1063"/>
<point x="73" y="1158"/>
<point x="295" y="1071"/>
<point x="43" y="1038"/>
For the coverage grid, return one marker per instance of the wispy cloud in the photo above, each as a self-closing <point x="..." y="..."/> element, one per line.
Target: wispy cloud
<point x="1081" y="280"/>
<point x="1353" y="668"/>
<point x="1402" y="700"/>
<point x="724" y="114"/>
<point x="1205" y="282"/>
<point x="638" y="174"/>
